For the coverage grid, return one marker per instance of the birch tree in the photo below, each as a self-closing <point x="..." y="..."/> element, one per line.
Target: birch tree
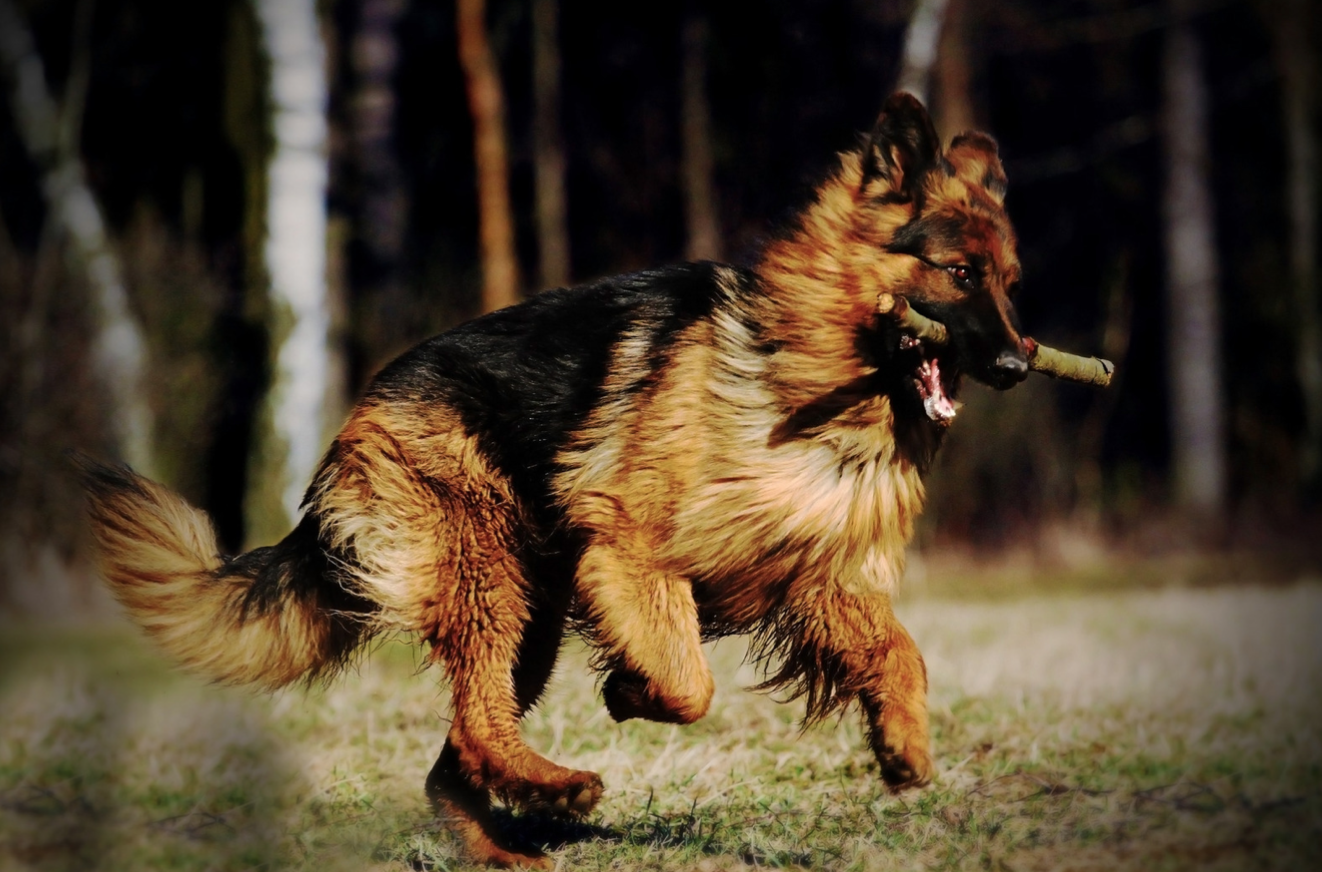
<point x="1193" y="341"/>
<point x="119" y="349"/>
<point x="294" y="420"/>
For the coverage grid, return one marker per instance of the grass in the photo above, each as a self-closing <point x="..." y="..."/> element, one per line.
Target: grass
<point x="1139" y="729"/>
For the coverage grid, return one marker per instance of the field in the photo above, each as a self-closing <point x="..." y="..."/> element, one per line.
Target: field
<point x="1167" y="728"/>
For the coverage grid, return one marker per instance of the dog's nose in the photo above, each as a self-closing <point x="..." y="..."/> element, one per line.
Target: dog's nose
<point x="1012" y="364"/>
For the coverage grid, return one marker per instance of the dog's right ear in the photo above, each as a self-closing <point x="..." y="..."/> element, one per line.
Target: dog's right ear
<point x="903" y="145"/>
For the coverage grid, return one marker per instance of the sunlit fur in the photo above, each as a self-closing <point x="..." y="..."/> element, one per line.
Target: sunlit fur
<point x="161" y="560"/>
<point x="651" y="460"/>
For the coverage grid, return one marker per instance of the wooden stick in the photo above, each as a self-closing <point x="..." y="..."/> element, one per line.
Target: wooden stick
<point x="1041" y="358"/>
<point x="910" y="321"/>
<point x="1070" y="367"/>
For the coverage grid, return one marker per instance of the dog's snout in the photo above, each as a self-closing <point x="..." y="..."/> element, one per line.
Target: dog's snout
<point x="1012" y="364"/>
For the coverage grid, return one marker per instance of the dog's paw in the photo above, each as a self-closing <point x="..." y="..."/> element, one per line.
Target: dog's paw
<point x="630" y="695"/>
<point x="580" y="797"/>
<point x="572" y="796"/>
<point x="625" y="694"/>
<point x="906" y="768"/>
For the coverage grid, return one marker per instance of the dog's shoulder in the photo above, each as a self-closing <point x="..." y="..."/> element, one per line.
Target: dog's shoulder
<point x="522" y="379"/>
<point x="565" y="333"/>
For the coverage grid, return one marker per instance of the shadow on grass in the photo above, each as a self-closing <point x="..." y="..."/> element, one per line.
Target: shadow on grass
<point x="110" y="761"/>
<point x="687" y="833"/>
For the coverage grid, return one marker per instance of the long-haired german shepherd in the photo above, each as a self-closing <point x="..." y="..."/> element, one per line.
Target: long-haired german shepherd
<point x="651" y="460"/>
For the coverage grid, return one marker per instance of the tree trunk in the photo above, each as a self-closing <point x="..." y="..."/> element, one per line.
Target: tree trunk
<point x="1299" y="93"/>
<point x="500" y="271"/>
<point x="1197" y="422"/>
<point x="294" y="420"/>
<point x="548" y="147"/>
<point x="119" y="349"/>
<point x="952" y="96"/>
<point x="700" y="208"/>
<point x="380" y="218"/>
<point x="921" y="39"/>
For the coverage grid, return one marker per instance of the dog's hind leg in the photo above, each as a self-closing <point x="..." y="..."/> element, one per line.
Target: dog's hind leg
<point x="498" y="658"/>
<point x="484" y="754"/>
<point x="466" y="811"/>
<point x="436" y="534"/>
<point x="645" y="624"/>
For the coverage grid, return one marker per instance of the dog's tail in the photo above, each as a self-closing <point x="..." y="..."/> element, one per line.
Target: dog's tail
<point x="268" y="617"/>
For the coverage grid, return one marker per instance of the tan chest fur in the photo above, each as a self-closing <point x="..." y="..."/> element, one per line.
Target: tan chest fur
<point x="684" y="463"/>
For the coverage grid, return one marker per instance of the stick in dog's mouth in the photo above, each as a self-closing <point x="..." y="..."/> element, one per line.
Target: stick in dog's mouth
<point x="1041" y="358"/>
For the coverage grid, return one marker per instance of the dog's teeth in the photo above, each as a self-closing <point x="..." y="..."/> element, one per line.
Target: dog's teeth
<point x="936" y="403"/>
<point x="939" y="408"/>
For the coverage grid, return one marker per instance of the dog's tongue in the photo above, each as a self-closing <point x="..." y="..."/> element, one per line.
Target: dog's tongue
<point x="936" y="403"/>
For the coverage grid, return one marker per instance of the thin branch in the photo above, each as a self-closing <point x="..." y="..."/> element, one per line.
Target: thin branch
<point x="1041" y="358"/>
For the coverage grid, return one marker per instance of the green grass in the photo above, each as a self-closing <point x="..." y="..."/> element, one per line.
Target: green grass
<point x="1139" y="729"/>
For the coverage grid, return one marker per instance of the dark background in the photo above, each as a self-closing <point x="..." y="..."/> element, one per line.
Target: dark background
<point x="174" y="112"/>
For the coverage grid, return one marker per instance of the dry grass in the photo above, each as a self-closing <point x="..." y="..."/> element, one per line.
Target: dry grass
<point x="1168" y="729"/>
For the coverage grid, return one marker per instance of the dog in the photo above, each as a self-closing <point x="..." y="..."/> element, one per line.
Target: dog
<point x="650" y="460"/>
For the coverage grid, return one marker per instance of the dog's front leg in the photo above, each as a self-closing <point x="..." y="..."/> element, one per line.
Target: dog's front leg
<point x="875" y="659"/>
<point x="896" y="709"/>
<point x="644" y="624"/>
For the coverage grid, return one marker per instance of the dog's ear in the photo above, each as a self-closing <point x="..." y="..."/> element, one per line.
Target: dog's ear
<point x="903" y="146"/>
<point x="977" y="161"/>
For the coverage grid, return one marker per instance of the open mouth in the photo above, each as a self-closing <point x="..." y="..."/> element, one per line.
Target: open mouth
<point x="931" y="384"/>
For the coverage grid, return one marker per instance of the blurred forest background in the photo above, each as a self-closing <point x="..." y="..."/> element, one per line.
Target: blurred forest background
<point x="219" y="218"/>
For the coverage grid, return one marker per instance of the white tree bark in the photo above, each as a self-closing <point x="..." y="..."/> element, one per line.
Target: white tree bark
<point x="119" y="350"/>
<point x="1197" y="414"/>
<point x="295" y="250"/>
<point x="921" y="40"/>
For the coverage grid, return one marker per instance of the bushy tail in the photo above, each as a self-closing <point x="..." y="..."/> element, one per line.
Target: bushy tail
<point x="268" y="617"/>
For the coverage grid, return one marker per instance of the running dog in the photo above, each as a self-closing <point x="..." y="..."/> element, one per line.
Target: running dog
<point x="650" y="460"/>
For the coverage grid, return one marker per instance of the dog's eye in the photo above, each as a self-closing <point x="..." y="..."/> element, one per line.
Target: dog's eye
<point x="963" y="276"/>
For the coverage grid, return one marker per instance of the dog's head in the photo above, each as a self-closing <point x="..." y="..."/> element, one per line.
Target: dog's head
<point x="943" y="240"/>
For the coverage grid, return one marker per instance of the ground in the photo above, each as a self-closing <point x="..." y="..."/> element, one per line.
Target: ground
<point x="1166" y="728"/>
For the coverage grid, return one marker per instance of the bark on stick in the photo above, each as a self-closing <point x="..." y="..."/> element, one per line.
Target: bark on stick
<point x="1041" y="358"/>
